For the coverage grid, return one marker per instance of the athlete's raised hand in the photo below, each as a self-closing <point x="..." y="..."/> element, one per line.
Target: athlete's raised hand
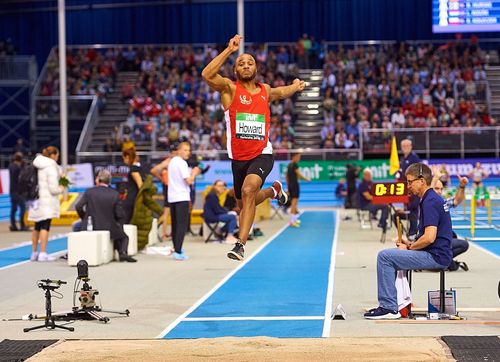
<point x="300" y="84"/>
<point x="234" y="43"/>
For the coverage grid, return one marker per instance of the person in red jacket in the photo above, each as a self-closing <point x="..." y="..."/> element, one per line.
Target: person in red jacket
<point x="247" y="115"/>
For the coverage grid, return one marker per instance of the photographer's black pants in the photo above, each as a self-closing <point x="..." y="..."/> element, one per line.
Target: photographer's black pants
<point x="179" y="212"/>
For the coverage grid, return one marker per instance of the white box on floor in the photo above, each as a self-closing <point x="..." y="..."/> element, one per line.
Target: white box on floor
<point x="131" y="231"/>
<point x="153" y="233"/>
<point x="92" y="246"/>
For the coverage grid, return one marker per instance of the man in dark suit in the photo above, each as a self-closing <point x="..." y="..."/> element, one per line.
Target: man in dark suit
<point x="102" y="204"/>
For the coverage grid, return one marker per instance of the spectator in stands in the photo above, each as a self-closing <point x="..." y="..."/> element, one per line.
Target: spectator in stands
<point x="101" y="204"/>
<point x="20" y="147"/>
<point x="365" y="200"/>
<point x="43" y="210"/>
<point x="16" y="199"/>
<point x="214" y="212"/>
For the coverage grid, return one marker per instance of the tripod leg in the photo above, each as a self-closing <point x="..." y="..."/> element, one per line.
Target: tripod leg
<point x="33" y="328"/>
<point x="125" y="312"/>
<point x="71" y="329"/>
<point x="97" y="316"/>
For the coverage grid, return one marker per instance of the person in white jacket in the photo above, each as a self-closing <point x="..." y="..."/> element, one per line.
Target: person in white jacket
<point x="43" y="210"/>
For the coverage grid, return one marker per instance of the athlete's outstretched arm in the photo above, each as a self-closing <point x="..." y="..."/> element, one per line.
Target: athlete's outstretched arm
<point x="286" y="91"/>
<point x="211" y="71"/>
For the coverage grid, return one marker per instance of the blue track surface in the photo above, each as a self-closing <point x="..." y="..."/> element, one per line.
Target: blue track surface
<point x="22" y="253"/>
<point x="490" y="236"/>
<point x="287" y="279"/>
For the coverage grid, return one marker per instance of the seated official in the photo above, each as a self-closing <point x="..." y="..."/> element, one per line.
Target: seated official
<point x="431" y="250"/>
<point x="102" y="204"/>
<point x="365" y="199"/>
<point x="214" y="212"/>
<point x="458" y="246"/>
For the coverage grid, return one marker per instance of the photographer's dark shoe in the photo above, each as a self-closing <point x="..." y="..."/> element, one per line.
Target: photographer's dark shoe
<point x="127" y="258"/>
<point x="13" y="228"/>
<point x="238" y="252"/>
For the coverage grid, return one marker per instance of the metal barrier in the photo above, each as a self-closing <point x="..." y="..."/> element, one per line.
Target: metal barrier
<point x="434" y="141"/>
<point x="20" y="69"/>
<point x="88" y="128"/>
<point x="154" y="156"/>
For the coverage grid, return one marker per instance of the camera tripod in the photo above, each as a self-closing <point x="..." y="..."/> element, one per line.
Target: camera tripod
<point x="88" y="310"/>
<point x="50" y="320"/>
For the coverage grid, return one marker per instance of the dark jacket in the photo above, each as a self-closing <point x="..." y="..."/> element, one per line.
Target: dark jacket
<point x="104" y="206"/>
<point x="212" y="208"/>
<point x="143" y="211"/>
<point x="14" y="171"/>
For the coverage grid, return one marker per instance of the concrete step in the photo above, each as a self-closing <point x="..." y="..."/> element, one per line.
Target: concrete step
<point x="301" y="129"/>
<point x="307" y="135"/>
<point x="307" y="144"/>
<point x="311" y="71"/>
<point x="309" y="122"/>
<point x="306" y="98"/>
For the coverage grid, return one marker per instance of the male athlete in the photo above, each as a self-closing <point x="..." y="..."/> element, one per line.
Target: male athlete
<point x="247" y="114"/>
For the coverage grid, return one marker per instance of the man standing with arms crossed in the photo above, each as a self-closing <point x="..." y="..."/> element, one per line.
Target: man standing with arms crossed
<point x="247" y="115"/>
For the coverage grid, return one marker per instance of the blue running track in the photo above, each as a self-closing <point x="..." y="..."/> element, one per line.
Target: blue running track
<point x="284" y="290"/>
<point x="20" y="254"/>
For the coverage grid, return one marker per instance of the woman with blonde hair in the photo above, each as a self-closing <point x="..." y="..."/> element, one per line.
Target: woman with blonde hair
<point x="46" y="207"/>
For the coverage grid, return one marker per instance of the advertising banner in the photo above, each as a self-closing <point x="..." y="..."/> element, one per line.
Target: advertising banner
<point x="80" y="175"/>
<point x="334" y="170"/>
<point x="461" y="167"/>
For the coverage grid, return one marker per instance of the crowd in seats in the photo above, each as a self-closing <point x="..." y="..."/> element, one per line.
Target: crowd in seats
<point x="171" y="102"/>
<point x="401" y="86"/>
<point x="89" y="72"/>
<point x="366" y="87"/>
<point x="7" y="48"/>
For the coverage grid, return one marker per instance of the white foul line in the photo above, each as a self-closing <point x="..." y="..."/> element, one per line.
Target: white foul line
<point x="284" y="318"/>
<point x="331" y="280"/>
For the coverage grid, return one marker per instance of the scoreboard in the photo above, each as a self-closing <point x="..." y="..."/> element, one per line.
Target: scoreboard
<point x="389" y="193"/>
<point x="456" y="16"/>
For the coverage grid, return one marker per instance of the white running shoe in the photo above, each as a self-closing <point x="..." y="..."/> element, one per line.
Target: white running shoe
<point x="43" y="257"/>
<point x="34" y="256"/>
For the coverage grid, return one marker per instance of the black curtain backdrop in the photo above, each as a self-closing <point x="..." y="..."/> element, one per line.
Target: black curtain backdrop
<point x="32" y="24"/>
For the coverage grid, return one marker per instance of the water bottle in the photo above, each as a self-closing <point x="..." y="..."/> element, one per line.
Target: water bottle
<point x="89" y="223"/>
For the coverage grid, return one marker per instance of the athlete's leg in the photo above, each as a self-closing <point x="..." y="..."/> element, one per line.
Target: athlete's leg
<point x="251" y="196"/>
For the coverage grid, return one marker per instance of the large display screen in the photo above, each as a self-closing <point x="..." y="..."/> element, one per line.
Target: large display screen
<point x="457" y="16"/>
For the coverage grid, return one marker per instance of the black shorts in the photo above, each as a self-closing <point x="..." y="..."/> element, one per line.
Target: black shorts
<point x="165" y="196"/>
<point x="43" y="225"/>
<point x="260" y="165"/>
<point x="293" y="191"/>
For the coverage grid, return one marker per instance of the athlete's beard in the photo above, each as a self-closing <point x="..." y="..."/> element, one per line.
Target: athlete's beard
<point x="242" y="78"/>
